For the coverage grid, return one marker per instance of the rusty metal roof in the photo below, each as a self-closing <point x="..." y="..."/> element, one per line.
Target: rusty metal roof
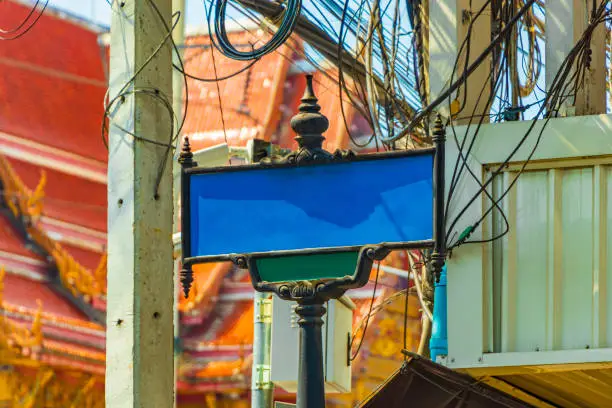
<point x="423" y="383"/>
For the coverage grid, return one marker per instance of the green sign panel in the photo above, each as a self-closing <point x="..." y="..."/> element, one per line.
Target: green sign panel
<point x="307" y="267"/>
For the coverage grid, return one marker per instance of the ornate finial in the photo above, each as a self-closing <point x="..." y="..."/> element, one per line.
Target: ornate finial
<point x="439" y="131"/>
<point x="309" y="124"/>
<point x="186" y="157"/>
<point x="35" y="200"/>
<point x="186" y="279"/>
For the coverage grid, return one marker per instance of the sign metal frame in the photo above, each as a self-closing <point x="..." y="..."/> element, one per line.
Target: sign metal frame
<point x="367" y="253"/>
<point x="309" y="125"/>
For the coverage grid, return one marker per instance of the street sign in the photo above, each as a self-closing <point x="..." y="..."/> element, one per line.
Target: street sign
<point x="288" y="209"/>
<point x="300" y="222"/>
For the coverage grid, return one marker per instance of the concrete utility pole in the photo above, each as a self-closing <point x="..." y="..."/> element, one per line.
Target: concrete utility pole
<point x="178" y="35"/>
<point x="449" y="21"/>
<point x="566" y="21"/>
<point x="139" y="363"/>
<point x="559" y="37"/>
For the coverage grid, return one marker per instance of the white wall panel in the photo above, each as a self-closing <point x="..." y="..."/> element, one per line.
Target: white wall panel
<point x="607" y="261"/>
<point x="545" y="286"/>
<point x="546" y="264"/>
<point x="576" y="303"/>
<point x="531" y="266"/>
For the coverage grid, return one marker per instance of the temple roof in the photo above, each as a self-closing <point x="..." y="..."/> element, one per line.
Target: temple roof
<point x="244" y="116"/>
<point x="53" y="83"/>
<point x="53" y="191"/>
<point x="68" y="198"/>
<point x="271" y="80"/>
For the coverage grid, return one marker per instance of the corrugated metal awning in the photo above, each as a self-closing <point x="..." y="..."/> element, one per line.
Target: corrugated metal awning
<point x="422" y="383"/>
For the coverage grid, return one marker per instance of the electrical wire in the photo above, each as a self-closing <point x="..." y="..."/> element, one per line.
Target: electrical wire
<point x="214" y="63"/>
<point x="367" y="320"/>
<point x="459" y="82"/>
<point x="419" y="289"/>
<point x="462" y="157"/>
<point x="26" y="24"/>
<point x="378" y="308"/>
<point x="294" y="50"/>
<point x="405" y="332"/>
<point x="286" y="27"/>
<point x="567" y="79"/>
<point x="153" y="92"/>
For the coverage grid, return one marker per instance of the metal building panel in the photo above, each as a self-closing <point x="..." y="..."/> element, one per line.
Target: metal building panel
<point x="539" y="296"/>
<point x="549" y="283"/>
<point x="606" y="244"/>
<point x="338" y="334"/>
<point x="576" y="274"/>
<point x="528" y="244"/>
<point x="337" y="325"/>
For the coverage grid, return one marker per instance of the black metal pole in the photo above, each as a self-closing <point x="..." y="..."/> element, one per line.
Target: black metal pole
<point x="309" y="125"/>
<point x="439" y="253"/>
<point x="311" y="379"/>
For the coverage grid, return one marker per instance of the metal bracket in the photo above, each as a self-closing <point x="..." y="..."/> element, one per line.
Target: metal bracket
<point x="263" y="311"/>
<point x="263" y="380"/>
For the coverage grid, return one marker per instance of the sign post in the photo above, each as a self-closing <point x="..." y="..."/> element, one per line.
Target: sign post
<point x="307" y="223"/>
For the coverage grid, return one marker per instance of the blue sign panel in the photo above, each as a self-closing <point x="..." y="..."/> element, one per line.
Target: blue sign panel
<point x="385" y="198"/>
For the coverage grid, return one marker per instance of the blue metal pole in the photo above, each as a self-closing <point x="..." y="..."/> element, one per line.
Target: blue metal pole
<point x="438" y="345"/>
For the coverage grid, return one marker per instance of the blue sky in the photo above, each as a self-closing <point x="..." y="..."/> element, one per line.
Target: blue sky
<point x="99" y="10"/>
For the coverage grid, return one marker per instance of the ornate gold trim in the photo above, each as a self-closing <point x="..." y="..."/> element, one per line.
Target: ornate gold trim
<point x="27" y="205"/>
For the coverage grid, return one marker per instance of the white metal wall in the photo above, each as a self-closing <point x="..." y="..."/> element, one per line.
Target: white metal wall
<point x="337" y="326"/>
<point x="540" y="295"/>
<point x="547" y="284"/>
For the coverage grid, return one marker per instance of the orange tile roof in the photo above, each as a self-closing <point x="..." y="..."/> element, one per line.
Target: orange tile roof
<point x="249" y="100"/>
<point x="208" y="280"/>
<point x="222" y="369"/>
<point x="52" y="84"/>
<point x="88" y="353"/>
<point x="239" y="329"/>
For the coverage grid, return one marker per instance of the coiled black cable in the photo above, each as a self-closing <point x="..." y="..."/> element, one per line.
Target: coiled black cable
<point x="288" y="23"/>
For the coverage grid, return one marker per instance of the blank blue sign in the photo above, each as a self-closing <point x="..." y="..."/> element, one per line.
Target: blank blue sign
<point x="331" y="205"/>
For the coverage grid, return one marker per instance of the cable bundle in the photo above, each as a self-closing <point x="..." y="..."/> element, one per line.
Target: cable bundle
<point x="564" y="86"/>
<point x="286" y="27"/>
